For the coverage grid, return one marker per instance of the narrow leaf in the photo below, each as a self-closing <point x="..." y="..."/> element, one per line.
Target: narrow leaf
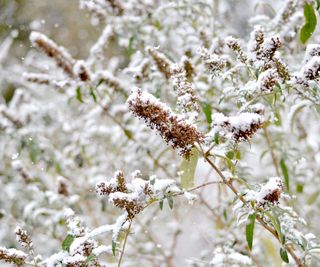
<point x="230" y="154"/>
<point x="67" y="242"/>
<point x="216" y="138"/>
<point x="310" y="23"/>
<point x="250" y="229"/>
<point x="188" y="168"/>
<point x="79" y="94"/>
<point x="130" y="48"/>
<point x="284" y="170"/>
<point x="93" y="95"/>
<point x="284" y="255"/>
<point x="207" y="110"/>
<point x="161" y="204"/>
<point x="276" y="224"/>
<point x="299" y="188"/>
<point x="113" y="246"/>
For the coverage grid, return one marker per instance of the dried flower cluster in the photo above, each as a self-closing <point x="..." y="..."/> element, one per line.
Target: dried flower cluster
<point x="162" y="62"/>
<point x="213" y="62"/>
<point x="61" y="56"/>
<point x="12" y="255"/>
<point x="187" y="99"/>
<point x="175" y="130"/>
<point x="241" y="127"/>
<point x="268" y="194"/>
<point x="135" y="196"/>
<point x="23" y="238"/>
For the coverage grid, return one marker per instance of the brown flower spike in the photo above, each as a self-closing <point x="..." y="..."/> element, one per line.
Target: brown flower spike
<point x="175" y="130"/>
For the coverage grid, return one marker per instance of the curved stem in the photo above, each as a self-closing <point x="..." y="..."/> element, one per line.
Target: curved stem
<point x="124" y="244"/>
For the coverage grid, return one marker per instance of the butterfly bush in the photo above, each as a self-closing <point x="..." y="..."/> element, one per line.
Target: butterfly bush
<point x="187" y="135"/>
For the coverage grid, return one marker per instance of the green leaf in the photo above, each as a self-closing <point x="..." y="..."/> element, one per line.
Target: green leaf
<point x="8" y="93"/>
<point x="299" y="188"/>
<point x="310" y="23"/>
<point x="161" y="204"/>
<point x="238" y="154"/>
<point x="91" y="257"/>
<point x="114" y="246"/>
<point x="79" y="95"/>
<point x="216" y="138"/>
<point x="130" y="48"/>
<point x="33" y="152"/>
<point x="284" y="170"/>
<point x="318" y="4"/>
<point x="230" y="154"/>
<point x="128" y="133"/>
<point x="188" y="168"/>
<point x="250" y="229"/>
<point x="278" y="121"/>
<point x="93" y="95"/>
<point x="170" y="201"/>
<point x="207" y="110"/>
<point x="276" y="224"/>
<point x="284" y="255"/>
<point x="67" y="242"/>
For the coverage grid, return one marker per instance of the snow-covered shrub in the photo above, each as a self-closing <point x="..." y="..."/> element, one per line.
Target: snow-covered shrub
<point x="209" y="103"/>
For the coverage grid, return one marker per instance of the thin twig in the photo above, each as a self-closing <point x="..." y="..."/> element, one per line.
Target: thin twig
<point x="124" y="244"/>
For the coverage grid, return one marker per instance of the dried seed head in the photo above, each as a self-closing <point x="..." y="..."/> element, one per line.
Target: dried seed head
<point x="62" y="186"/>
<point x="23" y="238"/>
<point x="270" y="47"/>
<point x="204" y="38"/>
<point x="63" y="59"/>
<point x="267" y="80"/>
<point x="116" y="7"/>
<point x="162" y="62"/>
<point x="116" y="184"/>
<point x="38" y="78"/>
<point x="12" y="255"/>
<point x="256" y="42"/>
<point x="188" y="66"/>
<point x="126" y="202"/>
<point x="187" y="99"/>
<point x="177" y="132"/>
<point x="241" y="127"/>
<point x="234" y="44"/>
<point x="312" y="50"/>
<point x="311" y="70"/>
<point x="81" y="71"/>
<point x="213" y="62"/>
<point x="121" y="182"/>
<point x="270" y="193"/>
